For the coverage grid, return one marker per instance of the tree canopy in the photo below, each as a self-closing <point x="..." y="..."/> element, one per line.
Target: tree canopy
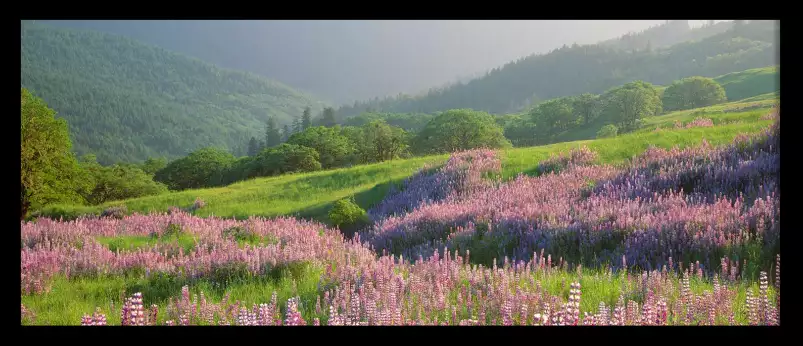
<point x="460" y="129"/>
<point x="49" y="171"/>
<point x="693" y="92"/>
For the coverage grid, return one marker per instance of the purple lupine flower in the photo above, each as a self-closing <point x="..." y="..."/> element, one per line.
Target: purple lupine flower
<point x="98" y="318"/>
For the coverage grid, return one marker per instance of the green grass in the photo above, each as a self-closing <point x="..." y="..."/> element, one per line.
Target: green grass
<point x="130" y="243"/>
<point x="619" y="149"/>
<point x="311" y="195"/>
<point x="305" y="195"/>
<point x="749" y="83"/>
<point x="69" y="299"/>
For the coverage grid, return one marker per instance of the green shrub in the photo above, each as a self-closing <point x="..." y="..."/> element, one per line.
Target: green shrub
<point x="606" y="131"/>
<point x="348" y="216"/>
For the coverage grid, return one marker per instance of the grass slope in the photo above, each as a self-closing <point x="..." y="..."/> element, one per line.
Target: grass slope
<point x="126" y="101"/>
<point x="749" y="83"/>
<point x="311" y="195"/>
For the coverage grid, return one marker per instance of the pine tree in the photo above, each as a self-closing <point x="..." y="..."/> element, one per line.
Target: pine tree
<point x="306" y="120"/>
<point x="297" y="126"/>
<point x="329" y="117"/>
<point x="253" y="147"/>
<point x="285" y="133"/>
<point x="272" y="135"/>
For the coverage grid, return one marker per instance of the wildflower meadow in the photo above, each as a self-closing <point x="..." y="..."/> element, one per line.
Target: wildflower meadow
<point x="672" y="237"/>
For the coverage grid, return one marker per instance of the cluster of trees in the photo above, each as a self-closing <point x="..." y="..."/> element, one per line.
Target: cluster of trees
<point x="622" y="107"/>
<point x="127" y="101"/>
<point x="578" y="69"/>
<point x="50" y="172"/>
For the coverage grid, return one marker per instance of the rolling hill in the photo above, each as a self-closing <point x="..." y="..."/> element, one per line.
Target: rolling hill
<point x="593" y="69"/>
<point x="310" y="195"/>
<point x="127" y="101"/>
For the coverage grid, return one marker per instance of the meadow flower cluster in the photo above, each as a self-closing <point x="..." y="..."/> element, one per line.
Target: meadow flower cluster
<point x="696" y="204"/>
<point x="457" y="248"/>
<point x="461" y="175"/>
<point x="575" y="157"/>
<point x="448" y="291"/>
<point x="72" y="249"/>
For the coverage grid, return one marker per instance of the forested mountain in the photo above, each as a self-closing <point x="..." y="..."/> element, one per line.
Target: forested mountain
<point x="665" y="35"/>
<point x="127" y="101"/>
<point x="593" y="69"/>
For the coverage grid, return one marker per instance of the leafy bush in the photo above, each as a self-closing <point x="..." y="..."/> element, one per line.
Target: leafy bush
<point x="460" y="129"/>
<point x="284" y="158"/>
<point x="117" y="182"/>
<point x="333" y="148"/>
<point x="201" y="168"/>
<point x="693" y="92"/>
<point x="348" y="216"/>
<point x="606" y="131"/>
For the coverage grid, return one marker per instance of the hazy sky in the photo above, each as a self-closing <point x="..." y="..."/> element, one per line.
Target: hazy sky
<point x="342" y="61"/>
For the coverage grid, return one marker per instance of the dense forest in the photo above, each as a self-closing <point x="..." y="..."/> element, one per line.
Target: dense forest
<point x="596" y="68"/>
<point x="127" y="101"/>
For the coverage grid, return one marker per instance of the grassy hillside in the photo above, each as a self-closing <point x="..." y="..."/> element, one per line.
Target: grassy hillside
<point x="745" y="84"/>
<point x="311" y="194"/>
<point x="593" y="69"/>
<point x="126" y="101"/>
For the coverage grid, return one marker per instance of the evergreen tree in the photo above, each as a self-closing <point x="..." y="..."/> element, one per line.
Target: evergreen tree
<point x="285" y="133"/>
<point x="306" y="120"/>
<point x="253" y="147"/>
<point x="329" y="117"/>
<point x="272" y="135"/>
<point x="297" y="125"/>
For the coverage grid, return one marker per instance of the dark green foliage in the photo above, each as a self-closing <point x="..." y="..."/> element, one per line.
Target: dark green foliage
<point x="333" y="148"/>
<point x="410" y="122"/>
<point x="460" y="129"/>
<point x="328" y="117"/>
<point x="554" y="116"/>
<point x="117" y="182"/>
<point x="693" y="92"/>
<point x="595" y="68"/>
<point x="153" y="165"/>
<point x="272" y="135"/>
<point x="49" y="172"/>
<point x="253" y="147"/>
<point x="348" y="216"/>
<point x="306" y="120"/>
<point x="521" y="132"/>
<point x="202" y="168"/>
<point x="586" y="107"/>
<point x="382" y="141"/>
<point x="627" y="106"/>
<point x="281" y="159"/>
<point x="606" y="131"/>
<point x="127" y="101"/>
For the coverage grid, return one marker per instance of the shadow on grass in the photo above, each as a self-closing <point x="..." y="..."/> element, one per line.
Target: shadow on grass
<point x="160" y="287"/>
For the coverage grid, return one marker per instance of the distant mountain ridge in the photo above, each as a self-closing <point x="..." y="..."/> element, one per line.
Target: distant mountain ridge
<point x="125" y="100"/>
<point x="576" y="69"/>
